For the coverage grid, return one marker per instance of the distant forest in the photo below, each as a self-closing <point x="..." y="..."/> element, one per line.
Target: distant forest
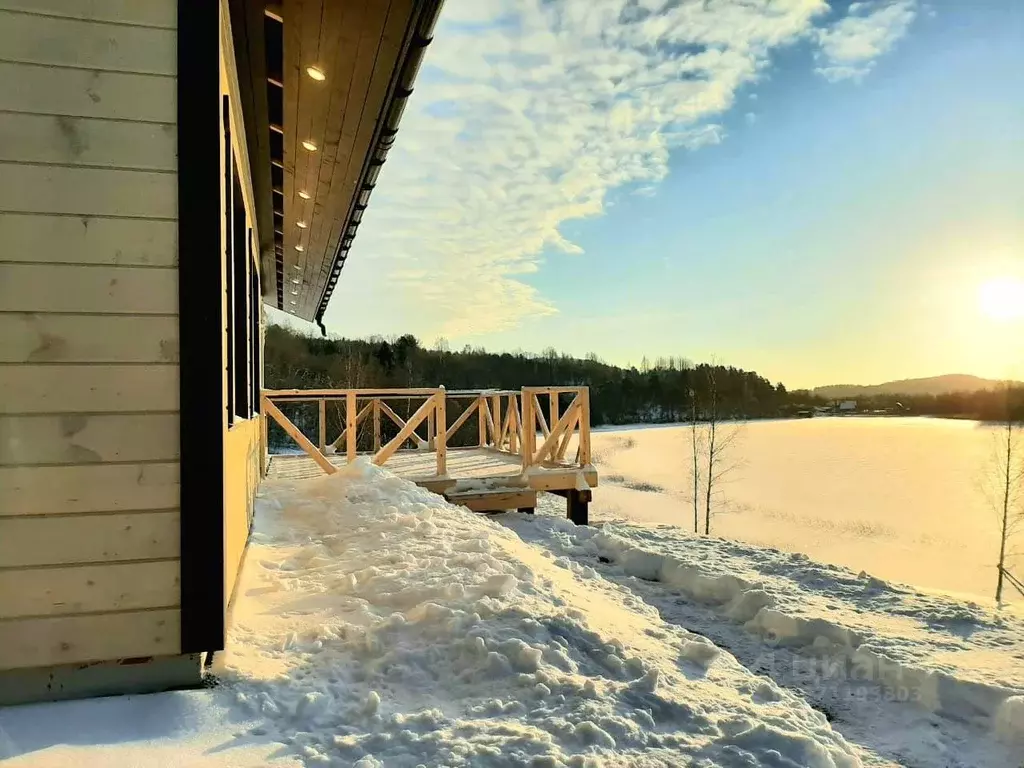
<point x="660" y="391"/>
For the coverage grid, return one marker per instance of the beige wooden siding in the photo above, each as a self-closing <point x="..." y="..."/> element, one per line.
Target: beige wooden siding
<point x="89" y="481"/>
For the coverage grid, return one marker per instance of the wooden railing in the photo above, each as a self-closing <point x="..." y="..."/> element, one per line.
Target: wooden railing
<point x="508" y="421"/>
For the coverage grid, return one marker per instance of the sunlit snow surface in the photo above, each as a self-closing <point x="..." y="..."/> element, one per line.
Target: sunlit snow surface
<point x="376" y="625"/>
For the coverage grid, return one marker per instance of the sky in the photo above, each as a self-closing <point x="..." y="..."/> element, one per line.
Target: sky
<point x="823" y="192"/>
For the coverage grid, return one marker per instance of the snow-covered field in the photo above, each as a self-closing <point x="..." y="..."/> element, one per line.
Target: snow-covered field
<point x="900" y="498"/>
<point x="377" y="625"/>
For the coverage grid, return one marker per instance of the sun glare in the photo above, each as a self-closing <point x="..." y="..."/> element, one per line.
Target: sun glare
<point x="1002" y="299"/>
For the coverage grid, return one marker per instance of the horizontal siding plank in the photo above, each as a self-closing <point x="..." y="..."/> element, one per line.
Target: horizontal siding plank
<point x="88" y="191"/>
<point x="34" y="338"/>
<point x="90" y="488"/>
<point x="71" y="639"/>
<point x="88" y="388"/>
<point x="82" y="439"/>
<point x="154" y="13"/>
<point x="87" y="141"/>
<point x="89" y="589"/>
<point x="88" y="240"/>
<point x="71" y="288"/>
<point x="81" y="93"/>
<point x="28" y="541"/>
<point x="64" y="42"/>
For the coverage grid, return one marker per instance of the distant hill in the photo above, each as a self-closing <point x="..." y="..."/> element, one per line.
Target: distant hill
<point x="934" y="385"/>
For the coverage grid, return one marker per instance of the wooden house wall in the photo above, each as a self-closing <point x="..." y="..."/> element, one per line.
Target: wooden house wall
<point x="89" y="429"/>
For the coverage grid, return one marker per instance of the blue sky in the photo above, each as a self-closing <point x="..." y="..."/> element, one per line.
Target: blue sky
<point x="814" y="191"/>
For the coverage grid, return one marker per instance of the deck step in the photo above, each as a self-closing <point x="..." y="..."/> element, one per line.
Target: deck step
<point x="494" y="499"/>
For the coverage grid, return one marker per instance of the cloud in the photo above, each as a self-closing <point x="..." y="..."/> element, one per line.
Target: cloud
<point x="850" y="47"/>
<point x="526" y="114"/>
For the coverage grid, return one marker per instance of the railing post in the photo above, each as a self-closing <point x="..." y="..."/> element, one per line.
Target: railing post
<point x="376" y="424"/>
<point x="529" y="428"/>
<point x="481" y="405"/>
<point x="322" y="403"/>
<point x="513" y="436"/>
<point x="350" y="425"/>
<point x="585" y="426"/>
<point x="431" y="428"/>
<point x="552" y="409"/>
<point x="441" y="420"/>
<point x="496" y="421"/>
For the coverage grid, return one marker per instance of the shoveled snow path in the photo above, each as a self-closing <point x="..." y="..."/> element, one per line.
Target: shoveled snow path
<point x="381" y="626"/>
<point x="889" y="725"/>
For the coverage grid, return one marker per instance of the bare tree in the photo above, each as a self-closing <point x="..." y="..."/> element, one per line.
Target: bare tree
<point x="712" y="440"/>
<point x="696" y="451"/>
<point x="1006" y="489"/>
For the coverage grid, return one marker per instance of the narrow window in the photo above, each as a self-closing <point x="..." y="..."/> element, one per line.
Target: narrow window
<point x="229" y="356"/>
<point x="240" y="316"/>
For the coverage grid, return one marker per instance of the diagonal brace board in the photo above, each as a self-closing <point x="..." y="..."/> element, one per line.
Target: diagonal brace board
<point x="304" y="443"/>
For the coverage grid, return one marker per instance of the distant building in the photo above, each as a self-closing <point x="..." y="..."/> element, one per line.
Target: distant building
<point x="847" y="406"/>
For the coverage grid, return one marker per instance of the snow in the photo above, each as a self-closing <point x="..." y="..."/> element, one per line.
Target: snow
<point x="378" y="625"/>
<point x="900" y="498"/>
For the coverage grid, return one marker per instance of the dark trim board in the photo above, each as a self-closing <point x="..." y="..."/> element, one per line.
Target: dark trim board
<point x="200" y="327"/>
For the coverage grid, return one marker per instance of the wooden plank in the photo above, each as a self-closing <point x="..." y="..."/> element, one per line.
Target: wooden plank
<point x="90" y="488"/>
<point x="560" y="428"/>
<point x="463" y="418"/>
<point x="528" y="436"/>
<point x="87" y="141"/>
<point x="27" y="541"/>
<point x="557" y="479"/>
<point x="352" y="425"/>
<point x="441" y="441"/>
<point x="481" y="426"/>
<point x="88" y="191"/>
<point x="539" y="411"/>
<point x="376" y="425"/>
<point x="567" y="438"/>
<point x="405" y="432"/>
<point x="313" y="394"/>
<point x="62" y="42"/>
<point x="322" y="425"/>
<point x="84" y="388"/>
<point x="584" y="447"/>
<point x="73" y="639"/>
<point x="359" y="420"/>
<point x="36" y="338"/>
<point x="553" y="407"/>
<point x="400" y="423"/>
<point x="84" y="93"/>
<point x="88" y="240"/>
<point x="152" y="13"/>
<point x="72" y="288"/>
<point x="273" y="412"/>
<point x="494" y="502"/>
<point x="81" y="439"/>
<point x="89" y="589"/>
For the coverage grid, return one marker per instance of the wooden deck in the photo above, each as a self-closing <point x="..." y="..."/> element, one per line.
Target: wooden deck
<point x="463" y="464"/>
<point x="514" y="452"/>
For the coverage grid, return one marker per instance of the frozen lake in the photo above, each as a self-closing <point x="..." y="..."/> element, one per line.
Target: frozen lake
<point x="901" y="498"/>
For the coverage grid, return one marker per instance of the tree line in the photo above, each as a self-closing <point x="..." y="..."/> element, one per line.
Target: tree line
<point x="660" y="391"/>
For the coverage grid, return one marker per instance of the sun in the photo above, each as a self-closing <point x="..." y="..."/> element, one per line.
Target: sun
<point x="1002" y="298"/>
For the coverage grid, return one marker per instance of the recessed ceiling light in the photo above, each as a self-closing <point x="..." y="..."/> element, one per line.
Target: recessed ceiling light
<point x="316" y="74"/>
<point x="299" y="248"/>
<point x="296" y="281"/>
<point x="294" y="293"/>
<point x="293" y="301"/>
<point x="307" y="144"/>
<point x="304" y="194"/>
<point x="301" y="224"/>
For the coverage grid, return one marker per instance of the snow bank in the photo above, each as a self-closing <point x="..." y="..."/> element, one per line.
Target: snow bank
<point x="749" y="604"/>
<point x="379" y="625"/>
